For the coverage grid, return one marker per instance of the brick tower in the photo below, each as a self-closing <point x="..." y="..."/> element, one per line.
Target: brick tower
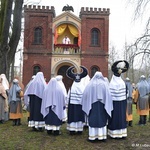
<point x="95" y="28"/>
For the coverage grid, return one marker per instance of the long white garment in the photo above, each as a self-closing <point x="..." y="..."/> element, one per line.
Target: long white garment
<point x="53" y="96"/>
<point x="98" y="133"/>
<point x="59" y="79"/>
<point x="36" y="87"/>
<point x="76" y="92"/>
<point x="118" y="133"/>
<point x="75" y="126"/>
<point x="5" y="83"/>
<point x="75" y="98"/>
<point x="26" y="97"/>
<point x="117" y="88"/>
<point x="118" y="91"/>
<point x="97" y="91"/>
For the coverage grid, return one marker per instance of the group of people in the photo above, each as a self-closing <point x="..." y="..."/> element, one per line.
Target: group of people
<point x="102" y="106"/>
<point x="10" y="100"/>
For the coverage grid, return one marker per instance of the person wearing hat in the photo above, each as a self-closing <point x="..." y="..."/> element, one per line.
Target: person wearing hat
<point x="129" y="115"/>
<point x="117" y="126"/>
<point x="142" y="100"/>
<point x="76" y="116"/>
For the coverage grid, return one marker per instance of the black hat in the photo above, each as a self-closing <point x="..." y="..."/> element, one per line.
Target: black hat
<point x="76" y="76"/>
<point x="119" y="67"/>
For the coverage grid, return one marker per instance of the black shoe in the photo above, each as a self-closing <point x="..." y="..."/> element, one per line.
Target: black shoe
<point x="18" y="122"/>
<point x="79" y="132"/>
<point x="34" y="129"/>
<point x="14" y="122"/>
<point x="72" y="132"/>
<point x="104" y="140"/>
<point x="49" y="132"/>
<point x="1" y="121"/>
<point x="86" y="127"/>
<point x="57" y="133"/>
<point x="40" y="129"/>
<point x="28" y="119"/>
<point x="92" y="141"/>
<point x="130" y="123"/>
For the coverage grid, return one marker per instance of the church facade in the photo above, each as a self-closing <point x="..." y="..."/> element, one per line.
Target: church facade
<point x="44" y="50"/>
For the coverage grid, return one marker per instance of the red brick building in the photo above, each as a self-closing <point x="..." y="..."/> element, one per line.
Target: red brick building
<point x="43" y="35"/>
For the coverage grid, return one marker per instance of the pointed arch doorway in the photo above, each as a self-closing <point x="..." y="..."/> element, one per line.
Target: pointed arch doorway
<point x="67" y="81"/>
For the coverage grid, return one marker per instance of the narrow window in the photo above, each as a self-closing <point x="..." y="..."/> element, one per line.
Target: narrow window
<point x="93" y="70"/>
<point x="36" y="69"/>
<point x="38" y="35"/>
<point x="95" y="37"/>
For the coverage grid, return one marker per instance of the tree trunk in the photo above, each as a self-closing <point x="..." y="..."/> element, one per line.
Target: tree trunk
<point x="6" y="11"/>
<point x="8" y="50"/>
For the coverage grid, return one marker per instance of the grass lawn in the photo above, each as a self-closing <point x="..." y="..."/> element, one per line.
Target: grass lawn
<point x="23" y="138"/>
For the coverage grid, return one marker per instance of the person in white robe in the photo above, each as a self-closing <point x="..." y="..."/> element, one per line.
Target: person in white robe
<point x="97" y="104"/>
<point x="53" y="106"/>
<point x="117" y="125"/>
<point x="27" y="98"/>
<point x="35" y="93"/>
<point x="85" y="81"/>
<point x="76" y="116"/>
<point x="5" y="83"/>
<point x="3" y="98"/>
<point x="59" y="78"/>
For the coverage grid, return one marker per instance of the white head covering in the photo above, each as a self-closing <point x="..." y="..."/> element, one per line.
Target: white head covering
<point x="59" y="79"/>
<point x="143" y="86"/>
<point x="117" y="88"/>
<point x="5" y="82"/>
<point x="26" y="97"/>
<point x="2" y="89"/>
<point x="97" y="90"/>
<point x="37" y="86"/>
<point x="85" y="80"/>
<point x="53" y="96"/>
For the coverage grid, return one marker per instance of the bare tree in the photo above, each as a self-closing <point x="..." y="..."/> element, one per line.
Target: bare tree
<point x="9" y="40"/>
<point x="141" y="47"/>
<point x="113" y="55"/>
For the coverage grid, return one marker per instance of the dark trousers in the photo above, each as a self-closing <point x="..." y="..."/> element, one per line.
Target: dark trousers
<point x="142" y="119"/>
